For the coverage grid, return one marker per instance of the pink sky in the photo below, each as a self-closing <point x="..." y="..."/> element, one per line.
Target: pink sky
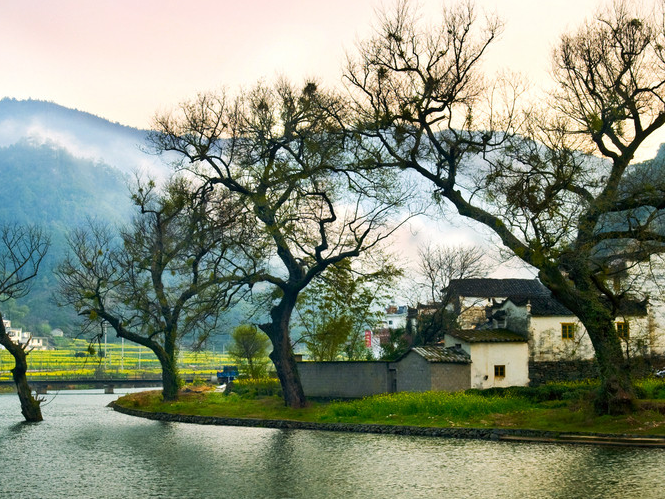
<point x="126" y="60"/>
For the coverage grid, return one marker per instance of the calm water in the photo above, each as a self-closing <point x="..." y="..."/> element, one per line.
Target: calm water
<point x="85" y="450"/>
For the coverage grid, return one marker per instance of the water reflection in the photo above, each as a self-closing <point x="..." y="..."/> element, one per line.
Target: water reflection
<point x="83" y="449"/>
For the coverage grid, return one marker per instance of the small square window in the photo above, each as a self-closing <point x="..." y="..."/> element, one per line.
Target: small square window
<point x="499" y="371"/>
<point x="567" y="331"/>
<point x="622" y="330"/>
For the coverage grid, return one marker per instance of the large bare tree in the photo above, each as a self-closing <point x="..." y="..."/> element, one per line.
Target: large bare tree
<point x="22" y="249"/>
<point x="279" y="149"/>
<point x="166" y="275"/>
<point x="556" y="194"/>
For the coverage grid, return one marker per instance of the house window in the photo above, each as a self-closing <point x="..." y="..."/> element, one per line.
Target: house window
<point x="567" y="331"/>
<point x="622" y="330"/>
<point x="499" y="371"/>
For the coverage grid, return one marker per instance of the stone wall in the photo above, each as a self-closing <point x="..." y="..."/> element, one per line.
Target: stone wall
<point x="563" y="370"/>
<point x="412" y="373"/>
<point x="344" y="379"/>
<point x="575" y="370"/>
<point x="450" y="377"/>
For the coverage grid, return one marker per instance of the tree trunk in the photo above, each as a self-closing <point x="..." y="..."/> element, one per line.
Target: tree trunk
<point x="170" y="378"/>
<point x="29" y="404"/>
<point x="170" y="381"/>
<point x="282" y="353"/>
<point x="616" y="395"/>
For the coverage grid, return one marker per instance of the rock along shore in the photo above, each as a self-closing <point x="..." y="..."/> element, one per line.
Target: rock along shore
<point x="503" y="434"/>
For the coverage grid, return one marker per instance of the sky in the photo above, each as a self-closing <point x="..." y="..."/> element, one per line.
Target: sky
<point x="127" y="60"/>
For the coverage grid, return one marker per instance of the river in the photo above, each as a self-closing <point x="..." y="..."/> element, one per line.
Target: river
<point x="85" y="450"/>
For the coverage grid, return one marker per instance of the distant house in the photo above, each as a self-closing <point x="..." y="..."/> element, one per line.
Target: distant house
<point x="17" y="335"/>
<point x="395" y="318"/>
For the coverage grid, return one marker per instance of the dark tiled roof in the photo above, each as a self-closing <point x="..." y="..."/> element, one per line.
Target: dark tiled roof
<point x="542" y="305"/>
<point x="488" y="336"/>
<point x="490" y="288"/>
<point x="442" y="354"/>
<point x="634" y="308"/>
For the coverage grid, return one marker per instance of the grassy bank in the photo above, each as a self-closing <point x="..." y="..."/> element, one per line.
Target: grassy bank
<point x="560" y="407"/>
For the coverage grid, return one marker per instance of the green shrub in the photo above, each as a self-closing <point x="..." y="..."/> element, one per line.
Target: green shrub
<point x="442" y="404"/>
<point x="544" y="393"/>
<point x="650" y="388"/>
<point x="262" y="387"/>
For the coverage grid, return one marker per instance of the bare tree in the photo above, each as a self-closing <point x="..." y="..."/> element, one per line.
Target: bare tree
<point x="438" y="265"/>
<point x="279" y="149"/>
<point x="22" y="249"/>
<point x="165" y="276"/>
<point x="556" y="195"/>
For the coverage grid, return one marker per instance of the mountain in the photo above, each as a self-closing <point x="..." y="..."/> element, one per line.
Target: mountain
<point x="81" y="134"/>
<point x="58" y="168"/>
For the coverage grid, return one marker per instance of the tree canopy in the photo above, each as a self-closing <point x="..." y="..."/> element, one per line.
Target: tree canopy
<point x="168" y="274"/>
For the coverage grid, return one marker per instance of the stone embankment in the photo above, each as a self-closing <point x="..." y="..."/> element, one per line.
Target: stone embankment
<point x="503" y="434"/>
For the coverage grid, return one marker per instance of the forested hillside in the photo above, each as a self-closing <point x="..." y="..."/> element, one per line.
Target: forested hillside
<point x="47" y="186"/>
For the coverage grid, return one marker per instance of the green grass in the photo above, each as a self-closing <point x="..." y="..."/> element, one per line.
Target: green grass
<point x="560" y="407"/>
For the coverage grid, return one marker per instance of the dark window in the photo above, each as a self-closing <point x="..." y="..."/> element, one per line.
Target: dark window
<point x="567" y="331"/>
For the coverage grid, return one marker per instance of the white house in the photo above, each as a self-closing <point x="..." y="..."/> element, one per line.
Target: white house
<point x="526" y="307"/>
<point x="395" y="318"/>
<point x="17" y="335"/>
<point x="498" y="357"/>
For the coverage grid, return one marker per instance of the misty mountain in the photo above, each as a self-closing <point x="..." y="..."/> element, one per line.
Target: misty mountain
<point x="47" y="186"/>
<point x="58" y="168"/>
<point x="81" y="134"/>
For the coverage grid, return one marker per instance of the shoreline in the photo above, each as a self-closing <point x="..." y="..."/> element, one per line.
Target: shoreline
<point x="494" y="434"/>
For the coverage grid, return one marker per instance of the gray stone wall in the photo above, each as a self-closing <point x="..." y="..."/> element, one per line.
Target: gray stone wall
<point x="563" y="370"/>
<point x="413" y="373"/>
<point x="450" y="377"/>
<point x="344" y="379"/>
<point x="575" y="370"/>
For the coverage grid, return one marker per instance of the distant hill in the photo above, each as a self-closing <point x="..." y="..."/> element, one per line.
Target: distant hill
<point x="81" y="134"/>
<point x="59" y="167"/>
<point x="47" y="186"/>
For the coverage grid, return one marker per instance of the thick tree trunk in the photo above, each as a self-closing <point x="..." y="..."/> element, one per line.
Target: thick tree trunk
<point x="170" y="381"/>
<point x="282" y="353"/>
<point x="170" y="377"/>
<point x="616" y="395"/>
<point x="30" y="406"/>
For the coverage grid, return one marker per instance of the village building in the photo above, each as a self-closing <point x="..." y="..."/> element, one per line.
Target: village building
<point x="510" y="332"/>
<point x="527" y="308"/>
<point x="17" y="335"/>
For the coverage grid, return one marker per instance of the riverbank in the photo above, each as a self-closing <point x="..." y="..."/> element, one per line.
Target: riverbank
<point x="497" y="434"/>
<point x="453" y="415"/>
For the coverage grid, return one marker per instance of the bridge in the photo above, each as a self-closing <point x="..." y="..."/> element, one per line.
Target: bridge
<point x="42" y="385"/>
